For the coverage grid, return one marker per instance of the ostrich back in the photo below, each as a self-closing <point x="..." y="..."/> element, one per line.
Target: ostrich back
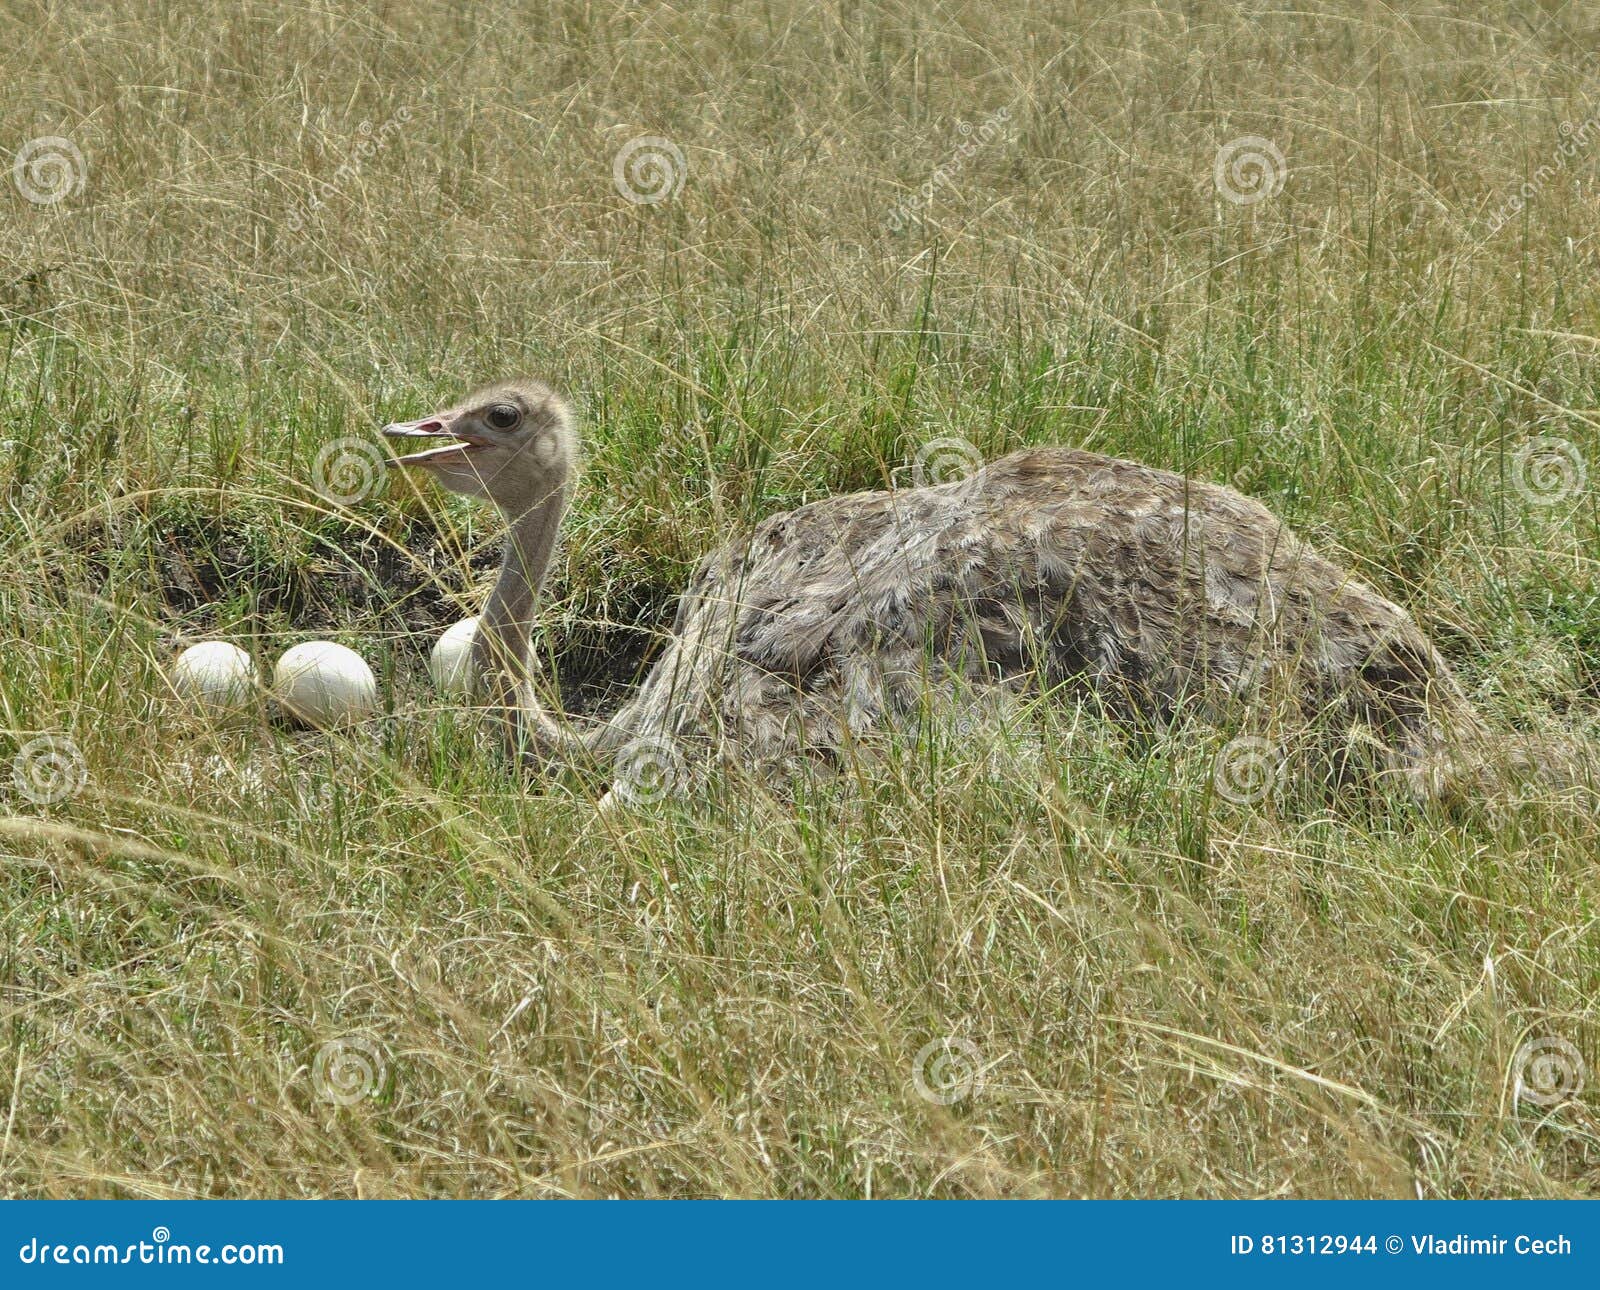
<point x="1050" y="567"/>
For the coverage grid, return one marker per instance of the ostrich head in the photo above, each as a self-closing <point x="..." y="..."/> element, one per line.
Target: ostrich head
<point x="511" y="443"/>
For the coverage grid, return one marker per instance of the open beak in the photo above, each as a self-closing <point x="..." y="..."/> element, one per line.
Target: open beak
<point x="452" y="445"/>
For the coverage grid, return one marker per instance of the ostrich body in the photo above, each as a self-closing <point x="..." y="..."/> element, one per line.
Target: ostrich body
<point x="1048" y="567"/>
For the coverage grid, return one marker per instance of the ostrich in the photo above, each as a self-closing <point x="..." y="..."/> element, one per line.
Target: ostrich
<point x="1048" y="567"/>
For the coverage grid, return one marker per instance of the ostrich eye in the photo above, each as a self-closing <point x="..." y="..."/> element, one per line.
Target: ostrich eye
<point x="503" y="416"/>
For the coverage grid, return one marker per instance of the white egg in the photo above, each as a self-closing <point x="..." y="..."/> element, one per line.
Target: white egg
<point x="214" y="675"/>
<point x="450" y="664"/>
<point x="325" y="684"/>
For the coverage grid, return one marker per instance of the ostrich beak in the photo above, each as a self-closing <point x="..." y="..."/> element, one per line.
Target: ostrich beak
<point x="457" y="443"/>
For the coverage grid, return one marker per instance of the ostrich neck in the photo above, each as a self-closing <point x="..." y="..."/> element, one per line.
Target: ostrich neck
<point x="505" y="633"/>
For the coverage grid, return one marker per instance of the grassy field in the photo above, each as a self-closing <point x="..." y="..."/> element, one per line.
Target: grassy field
<point x="1345" y="261"/>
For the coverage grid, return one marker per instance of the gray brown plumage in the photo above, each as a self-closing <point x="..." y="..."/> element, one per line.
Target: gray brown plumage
<point x="1049" y="567"/>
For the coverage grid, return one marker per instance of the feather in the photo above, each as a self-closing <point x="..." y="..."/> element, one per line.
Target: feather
<point x="1048" y="567"/>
